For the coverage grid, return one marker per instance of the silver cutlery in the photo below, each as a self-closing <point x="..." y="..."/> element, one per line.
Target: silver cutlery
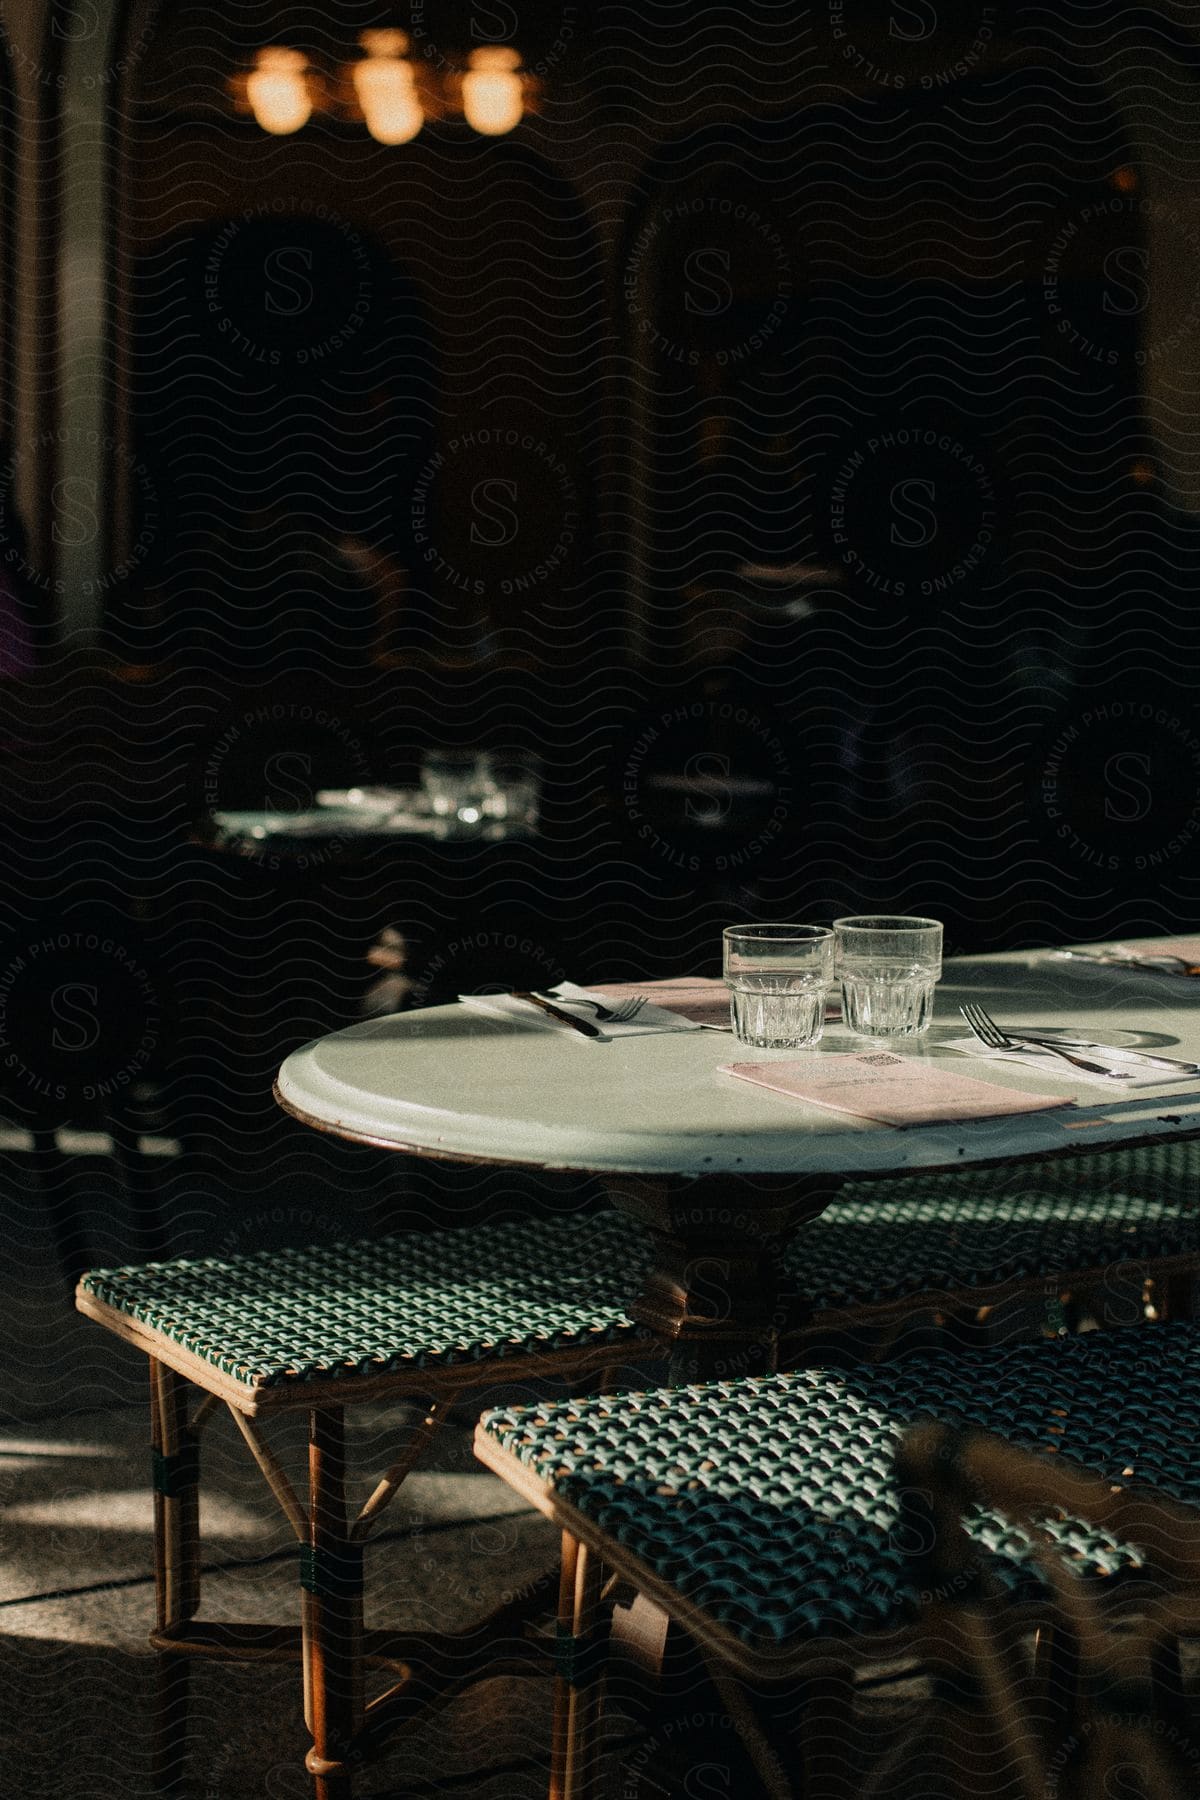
<point x="1161" y="965"/>
<point x="608" y="1015"/>
<point x="556" y="1012"/>
<point x="1072" y="1043"/>
<point x="990" y="1034"/>
<point x="1154" y="965"/>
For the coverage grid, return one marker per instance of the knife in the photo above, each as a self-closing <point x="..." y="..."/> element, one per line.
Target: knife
<point x="1153" y="965"/>
<point x="566" y="1018"/>
<point x="1071" y="1043"/>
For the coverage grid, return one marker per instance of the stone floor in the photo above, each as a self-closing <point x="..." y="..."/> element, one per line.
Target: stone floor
<point x="76" y="1590"/>
<point x="76" y="1601"/>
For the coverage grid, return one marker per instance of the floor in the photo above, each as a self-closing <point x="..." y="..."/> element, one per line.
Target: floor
<point x="76" y="1587"/>
<point x="76" y="1602"/>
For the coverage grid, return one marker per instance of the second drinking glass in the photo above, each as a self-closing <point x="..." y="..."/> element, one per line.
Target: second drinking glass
<point x="889" y="967"/>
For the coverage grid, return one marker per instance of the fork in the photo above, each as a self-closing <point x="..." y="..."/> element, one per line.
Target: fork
<point x="989" y="1033"/>
<point x="608" y="1015"/>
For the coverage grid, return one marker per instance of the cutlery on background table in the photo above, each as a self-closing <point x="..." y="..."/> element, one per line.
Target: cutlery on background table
<point x="990" y="1034"/>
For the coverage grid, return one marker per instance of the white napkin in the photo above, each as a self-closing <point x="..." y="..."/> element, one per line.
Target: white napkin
<point x="648" y="1020"/>
<point x="1046" y="1063"/>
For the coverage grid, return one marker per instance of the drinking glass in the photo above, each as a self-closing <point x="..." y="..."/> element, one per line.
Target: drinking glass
<point x="778" y="977"/>
<point x="889" y="967"/>
<point x="515" y="789"/>
<point x="456" y="784"/>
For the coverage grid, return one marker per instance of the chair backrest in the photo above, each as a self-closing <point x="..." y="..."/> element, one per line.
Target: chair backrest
<point x="1120" y="1729"/>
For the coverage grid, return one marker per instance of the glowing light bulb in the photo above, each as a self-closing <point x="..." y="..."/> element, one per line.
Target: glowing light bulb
<point x="493" y="92"/>
<point x="386" y="88"/>
<point x="278" y="92"/>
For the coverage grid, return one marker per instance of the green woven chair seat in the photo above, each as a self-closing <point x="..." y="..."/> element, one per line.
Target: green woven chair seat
<point x="421" y="1300"/>
<point x="771" y="1503"/>
<point x="273" y="1317"/>
<point x="888" y="1240"/>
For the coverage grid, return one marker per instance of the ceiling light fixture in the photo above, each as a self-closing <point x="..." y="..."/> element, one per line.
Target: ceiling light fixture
<point x="387" y="89"/>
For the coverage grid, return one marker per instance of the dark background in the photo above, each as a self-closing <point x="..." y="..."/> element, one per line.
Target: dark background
<point x="769" y="434"/>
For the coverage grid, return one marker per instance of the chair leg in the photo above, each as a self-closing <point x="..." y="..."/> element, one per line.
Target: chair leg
<point x="1167" y="1688"/>
<point x="176" y="1564"/>
<point x="141" y="1182"/>
<point x="828" y="1744"/>
<point x="52" y="1173"/>
<point x="578" y="1688"/>
<point x="1057" y="1678"/>
<point x="332" y="1615"/>
<point x="1178" y="1296"/>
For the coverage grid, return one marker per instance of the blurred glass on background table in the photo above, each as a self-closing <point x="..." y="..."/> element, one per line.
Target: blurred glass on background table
<point x="457" y="783"/>
<point x="459" y="802"/>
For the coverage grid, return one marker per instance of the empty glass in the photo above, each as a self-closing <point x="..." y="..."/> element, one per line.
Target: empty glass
<point x="457" y="784"/>
<point x="778" y="977"/>
<point x="515" y="789"/>
<point x="889" y="967"/>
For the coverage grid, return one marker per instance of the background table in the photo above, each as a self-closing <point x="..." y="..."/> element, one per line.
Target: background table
<point x="723" y="1172"/>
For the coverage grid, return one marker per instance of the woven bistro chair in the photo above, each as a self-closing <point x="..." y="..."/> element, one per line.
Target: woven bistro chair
<point x="765" y="1517"/>
<point x="424" y="1319"/>
<point x="992" y="1255"/>
<point x="1121" y="1723"/>
<point x="414" y="1318"/>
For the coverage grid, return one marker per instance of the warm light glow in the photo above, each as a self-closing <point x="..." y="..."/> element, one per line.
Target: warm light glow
<point x="493" y="92"/>
<point x="278" y="91"/>
<point x="1124" y="180"/>
<point x="385" y="83"/>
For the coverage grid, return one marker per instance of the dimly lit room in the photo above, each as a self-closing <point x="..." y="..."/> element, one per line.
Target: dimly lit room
<point x="529" y="530"/>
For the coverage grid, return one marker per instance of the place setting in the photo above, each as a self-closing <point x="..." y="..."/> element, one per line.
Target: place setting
<point x="875" y="977"/>
<point x="889" y="968"/>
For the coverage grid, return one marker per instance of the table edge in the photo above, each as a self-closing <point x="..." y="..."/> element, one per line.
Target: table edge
<point x="497" y="1160"/>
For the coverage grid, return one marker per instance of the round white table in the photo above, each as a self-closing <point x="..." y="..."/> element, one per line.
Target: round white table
<point x="721" y="1170"/>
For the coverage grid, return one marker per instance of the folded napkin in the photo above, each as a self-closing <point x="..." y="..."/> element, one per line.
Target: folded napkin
<point x="1139" y="1074"/>
<point x="702" y="998"/>
<point x="649" y="1020"/>
<point x="895" y="1090"/>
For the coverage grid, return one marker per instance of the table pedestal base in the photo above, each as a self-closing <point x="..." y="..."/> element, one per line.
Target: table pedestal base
<point x="714" y="1292"/>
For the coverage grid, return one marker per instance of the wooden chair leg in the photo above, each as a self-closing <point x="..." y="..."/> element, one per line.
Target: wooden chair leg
<point x="175" y="1451"/>
<point x="828" y="1745"/>
<point x="1177" y="1297"/>
<point x="1056" y="1682"/>
<point x="1167" y="1688"/>
<point x="332" y="1615"/>
<point x="578" y="1688"/>
<point x="52" y="1172"/>
<point x="141" y="1181"/>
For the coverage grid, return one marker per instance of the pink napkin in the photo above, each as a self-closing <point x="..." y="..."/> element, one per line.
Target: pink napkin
<point x="896" y="1090"/>
<point x="701" y="998"/>
<point x="694" y="997"/>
